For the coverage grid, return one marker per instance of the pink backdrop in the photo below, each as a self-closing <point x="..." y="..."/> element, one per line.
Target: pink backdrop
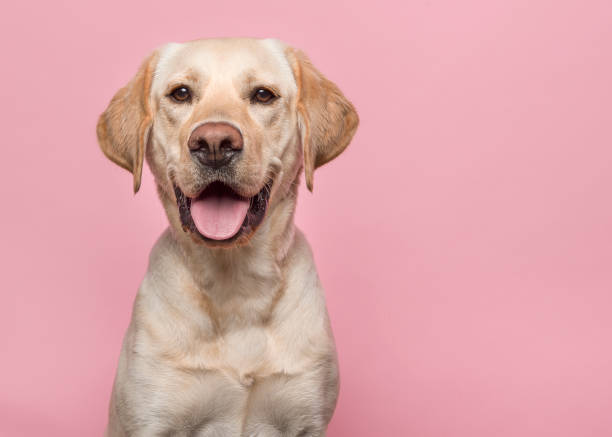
<point x="464" y="239"/>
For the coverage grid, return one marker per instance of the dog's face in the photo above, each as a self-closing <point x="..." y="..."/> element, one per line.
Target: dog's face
<point x="225" y="125"/>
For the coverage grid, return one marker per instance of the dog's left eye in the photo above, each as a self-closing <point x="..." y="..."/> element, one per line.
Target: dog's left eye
<point x="181" y="94"/>
<point x="263" y="95"/>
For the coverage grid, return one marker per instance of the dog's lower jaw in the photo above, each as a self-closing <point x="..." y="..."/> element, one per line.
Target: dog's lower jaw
<point x="271" y="240"/>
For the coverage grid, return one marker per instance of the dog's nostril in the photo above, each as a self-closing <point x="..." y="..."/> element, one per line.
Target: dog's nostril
<point x="202" y="144"/>
<point x="226" y="144"/>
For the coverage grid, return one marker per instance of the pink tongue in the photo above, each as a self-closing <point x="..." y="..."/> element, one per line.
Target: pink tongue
<point x="219" y="216"/>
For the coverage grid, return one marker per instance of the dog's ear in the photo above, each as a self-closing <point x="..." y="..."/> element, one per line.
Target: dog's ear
<point x="327" y="120"/>
<point x="123" y="129"/>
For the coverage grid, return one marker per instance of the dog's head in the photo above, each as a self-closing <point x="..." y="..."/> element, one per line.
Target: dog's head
<point x="225" y="125"/>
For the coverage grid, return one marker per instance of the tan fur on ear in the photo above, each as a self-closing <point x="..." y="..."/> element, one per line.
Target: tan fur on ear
<point x="328" y="120"/>
<point x="124" y="127"/>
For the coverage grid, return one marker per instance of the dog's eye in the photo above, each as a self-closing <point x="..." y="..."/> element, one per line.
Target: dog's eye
<point x="263" y="95"/>
<point x="181" y="94"/>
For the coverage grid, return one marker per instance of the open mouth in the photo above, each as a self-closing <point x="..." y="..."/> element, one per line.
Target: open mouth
<point x="221" y="215"/>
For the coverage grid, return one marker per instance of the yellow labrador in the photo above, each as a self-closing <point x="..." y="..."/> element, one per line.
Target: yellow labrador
<point x="229" y="333"/>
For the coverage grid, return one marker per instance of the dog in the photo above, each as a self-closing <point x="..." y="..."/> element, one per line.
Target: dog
<point x="229" y="334"/>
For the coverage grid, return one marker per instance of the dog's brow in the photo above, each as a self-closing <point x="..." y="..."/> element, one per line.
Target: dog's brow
<point x="182" y="78"/>
<point x="250" y="79"/>
<point x="250" y="76"/>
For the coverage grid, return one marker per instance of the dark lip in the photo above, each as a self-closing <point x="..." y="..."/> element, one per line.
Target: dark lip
<point x="254" y="217"/>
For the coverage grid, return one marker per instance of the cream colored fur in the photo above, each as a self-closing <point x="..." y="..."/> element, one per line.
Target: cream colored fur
<point x="228" y="341"/>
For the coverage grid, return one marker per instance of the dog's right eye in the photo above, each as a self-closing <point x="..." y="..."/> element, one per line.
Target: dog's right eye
<point x="263" y="95"/>
<point x="181" y="94"/>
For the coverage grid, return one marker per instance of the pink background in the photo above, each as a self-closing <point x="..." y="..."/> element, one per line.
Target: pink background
<point x="464" y="239"/>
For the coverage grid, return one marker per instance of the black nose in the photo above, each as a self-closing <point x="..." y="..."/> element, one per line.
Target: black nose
<point x="214" y="144"/>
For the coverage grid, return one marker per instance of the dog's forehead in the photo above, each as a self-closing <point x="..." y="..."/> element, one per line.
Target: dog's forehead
<point x="229" y="58"/>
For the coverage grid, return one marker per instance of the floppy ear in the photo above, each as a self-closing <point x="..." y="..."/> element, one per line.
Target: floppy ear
<point x="123" y="129"/>
<point x="327" y="119"/>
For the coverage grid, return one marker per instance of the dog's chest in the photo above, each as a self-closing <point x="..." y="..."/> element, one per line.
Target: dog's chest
<point x="243" y="351"/>
<point x="245" y="326"/>
<point x="244" y="354"/>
